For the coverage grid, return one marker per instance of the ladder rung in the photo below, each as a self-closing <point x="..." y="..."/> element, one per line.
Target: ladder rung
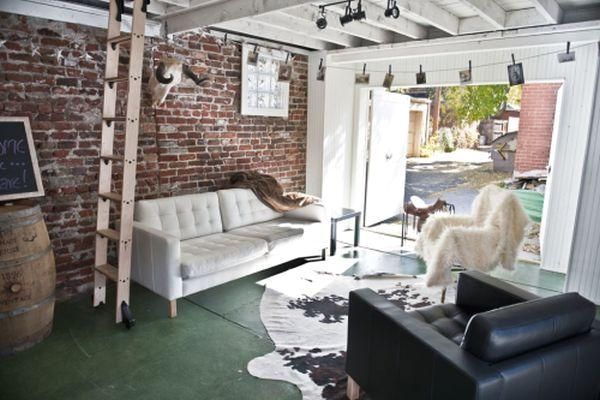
<point x="121" y="39"/>
<point x="111" y="196"/>
<point x="110" y="120"/>
<point x="109" y="271"/>
<point x="117" y="79"/>
<point x="112" y="158"/>
<point x="110" y="234"/>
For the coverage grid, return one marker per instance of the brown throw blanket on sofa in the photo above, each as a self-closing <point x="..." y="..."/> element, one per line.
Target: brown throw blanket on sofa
<point x="269" y="191"/>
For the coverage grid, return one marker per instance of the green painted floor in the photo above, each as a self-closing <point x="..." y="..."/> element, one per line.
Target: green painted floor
<point x="202" y="354"/>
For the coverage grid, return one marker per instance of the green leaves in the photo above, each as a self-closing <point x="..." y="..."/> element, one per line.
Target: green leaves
<point x="467" y="104"/>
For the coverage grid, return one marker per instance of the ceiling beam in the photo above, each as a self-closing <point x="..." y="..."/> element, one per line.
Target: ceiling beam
<point x="490" y="11"/>
<point x="258" y="29"/>
<point x="514" y="19"/>
<point x="356" y="28"/>
<point x="216" y="13"/>
<point x="549" y="9"/>
<point x="178" y="3"/>
<point x="431" y="13"/>
<point x="375" y="17"/>
<point x="305" y="27"/>
<point x="70" y="12"/>
<point x="511" y="39"/>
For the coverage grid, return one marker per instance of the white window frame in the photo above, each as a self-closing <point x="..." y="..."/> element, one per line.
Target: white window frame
<point x="276" y="55"/>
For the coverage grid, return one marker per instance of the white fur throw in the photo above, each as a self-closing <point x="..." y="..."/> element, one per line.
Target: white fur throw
<point x="491" y="235"/>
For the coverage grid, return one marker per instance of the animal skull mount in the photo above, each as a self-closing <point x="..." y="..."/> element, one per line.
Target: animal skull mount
<point x="168" y="74"/>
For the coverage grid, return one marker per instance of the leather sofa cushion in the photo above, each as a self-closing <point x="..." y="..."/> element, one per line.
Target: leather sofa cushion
<point x="509" y="331"/>
<point x="448" y="319"/>
<point x="184" y="217"/>
<point x="241" y="207"/>
<point x="208" y="254"/>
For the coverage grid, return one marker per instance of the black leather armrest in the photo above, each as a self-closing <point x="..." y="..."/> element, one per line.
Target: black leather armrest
<point x="507" y="332"/>
<point x="391" y="353"/>
<point x="480" y="292"/>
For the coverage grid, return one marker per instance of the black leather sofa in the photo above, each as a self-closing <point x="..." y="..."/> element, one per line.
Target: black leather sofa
<point x="496" y="342"/>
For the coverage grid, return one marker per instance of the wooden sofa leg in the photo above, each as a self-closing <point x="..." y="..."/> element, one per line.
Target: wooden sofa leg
<point x="172" y="308"/>
<point x="353" y="390"/>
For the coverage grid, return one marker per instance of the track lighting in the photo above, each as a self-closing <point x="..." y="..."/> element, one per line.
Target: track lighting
<point x="322" y="20"/>
<point x="350" y="14"/>
<point x="347" y="17"/>
<point x="359" y="13"/>
<point x="392" y="9"/>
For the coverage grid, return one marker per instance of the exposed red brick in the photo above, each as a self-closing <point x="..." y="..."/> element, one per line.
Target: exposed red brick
<point x="538" y="105"/>
<point x="52" y="72"/>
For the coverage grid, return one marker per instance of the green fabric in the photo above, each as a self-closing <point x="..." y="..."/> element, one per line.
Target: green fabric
<point x="533" y="202"/>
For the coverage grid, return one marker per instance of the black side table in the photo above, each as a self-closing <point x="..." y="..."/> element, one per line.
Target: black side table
<point x="342" y="215"/>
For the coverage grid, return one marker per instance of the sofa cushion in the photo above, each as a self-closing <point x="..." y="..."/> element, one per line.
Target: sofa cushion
<point x="241" y="207"/>
<point x="182" y="216"/>
<point x="205" y="255"/>
<point x="448" y="319"/>
<point x="275" y="232"/>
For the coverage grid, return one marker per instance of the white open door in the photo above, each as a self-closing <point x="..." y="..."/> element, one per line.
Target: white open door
<point x="386" y="164"/>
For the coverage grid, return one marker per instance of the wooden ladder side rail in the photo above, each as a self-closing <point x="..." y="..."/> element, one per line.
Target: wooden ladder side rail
<point x="130" y="161"/>
<point x="131" y="124"/>
<point x="106" y="148"/>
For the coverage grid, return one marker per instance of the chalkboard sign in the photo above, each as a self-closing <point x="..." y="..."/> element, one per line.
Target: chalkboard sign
<point x="19" y="172"/>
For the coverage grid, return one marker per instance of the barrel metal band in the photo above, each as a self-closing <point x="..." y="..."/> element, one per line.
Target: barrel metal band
<point x="24" y="260"/>
<point x="23" y="310"/>
<point x="31" y="220"/>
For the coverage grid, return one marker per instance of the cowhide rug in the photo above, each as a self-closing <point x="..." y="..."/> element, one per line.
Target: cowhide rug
<point x="305" y="311"/>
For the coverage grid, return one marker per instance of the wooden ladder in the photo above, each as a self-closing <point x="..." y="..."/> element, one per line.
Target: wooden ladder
<point x="119" y="232"/>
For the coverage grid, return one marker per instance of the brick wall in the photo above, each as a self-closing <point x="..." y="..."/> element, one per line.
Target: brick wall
<point x="538" y="105"/>
<point x="52" y="72"/>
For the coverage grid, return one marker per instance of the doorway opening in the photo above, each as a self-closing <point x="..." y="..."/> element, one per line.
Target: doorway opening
<point x="449" y="142"/>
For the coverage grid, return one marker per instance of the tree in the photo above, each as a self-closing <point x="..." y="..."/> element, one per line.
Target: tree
<point x="467" y="104"/>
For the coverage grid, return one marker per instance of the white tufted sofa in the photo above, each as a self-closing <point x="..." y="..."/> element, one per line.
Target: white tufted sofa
<point x="185" y="244"/>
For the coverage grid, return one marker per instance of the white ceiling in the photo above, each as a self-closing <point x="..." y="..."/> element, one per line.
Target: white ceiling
<point x="292" y="22"/>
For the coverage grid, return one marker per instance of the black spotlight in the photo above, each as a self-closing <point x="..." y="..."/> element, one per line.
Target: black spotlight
<point x="359" y="13"/>
<point x="392" y="10"/>
<point x="347" y="17"/>
<point x="322" y="21"/>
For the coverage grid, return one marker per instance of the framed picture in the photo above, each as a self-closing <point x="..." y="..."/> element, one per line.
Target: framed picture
<point x="421" y="78"/>
<point x="362" y="79"/>
<point x="321" y="73"/>
<point x="515" y="74"/>
<point x="465" y="76"/>
<point x="285" y="72"/>
<point x="388" y="81"/>
<point x="252" y="58"/>
<point x="19" y="171"/>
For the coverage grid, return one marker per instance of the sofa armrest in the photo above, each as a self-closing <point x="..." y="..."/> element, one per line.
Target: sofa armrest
<point x="507" y="332"/>
<point x="391" y="354"/>
<point x="311" y="212"/>
<point x="156" y="261"/>
<point x="479" y="292"/>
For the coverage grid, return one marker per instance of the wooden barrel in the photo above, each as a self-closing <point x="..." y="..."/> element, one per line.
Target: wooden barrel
<point x="27" y="279"/>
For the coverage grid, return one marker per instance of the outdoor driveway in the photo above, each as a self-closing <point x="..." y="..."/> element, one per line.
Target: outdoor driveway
<point x="455" y="177"/>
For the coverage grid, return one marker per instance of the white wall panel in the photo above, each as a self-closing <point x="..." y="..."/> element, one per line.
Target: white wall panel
<point x="584" y="271"/>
